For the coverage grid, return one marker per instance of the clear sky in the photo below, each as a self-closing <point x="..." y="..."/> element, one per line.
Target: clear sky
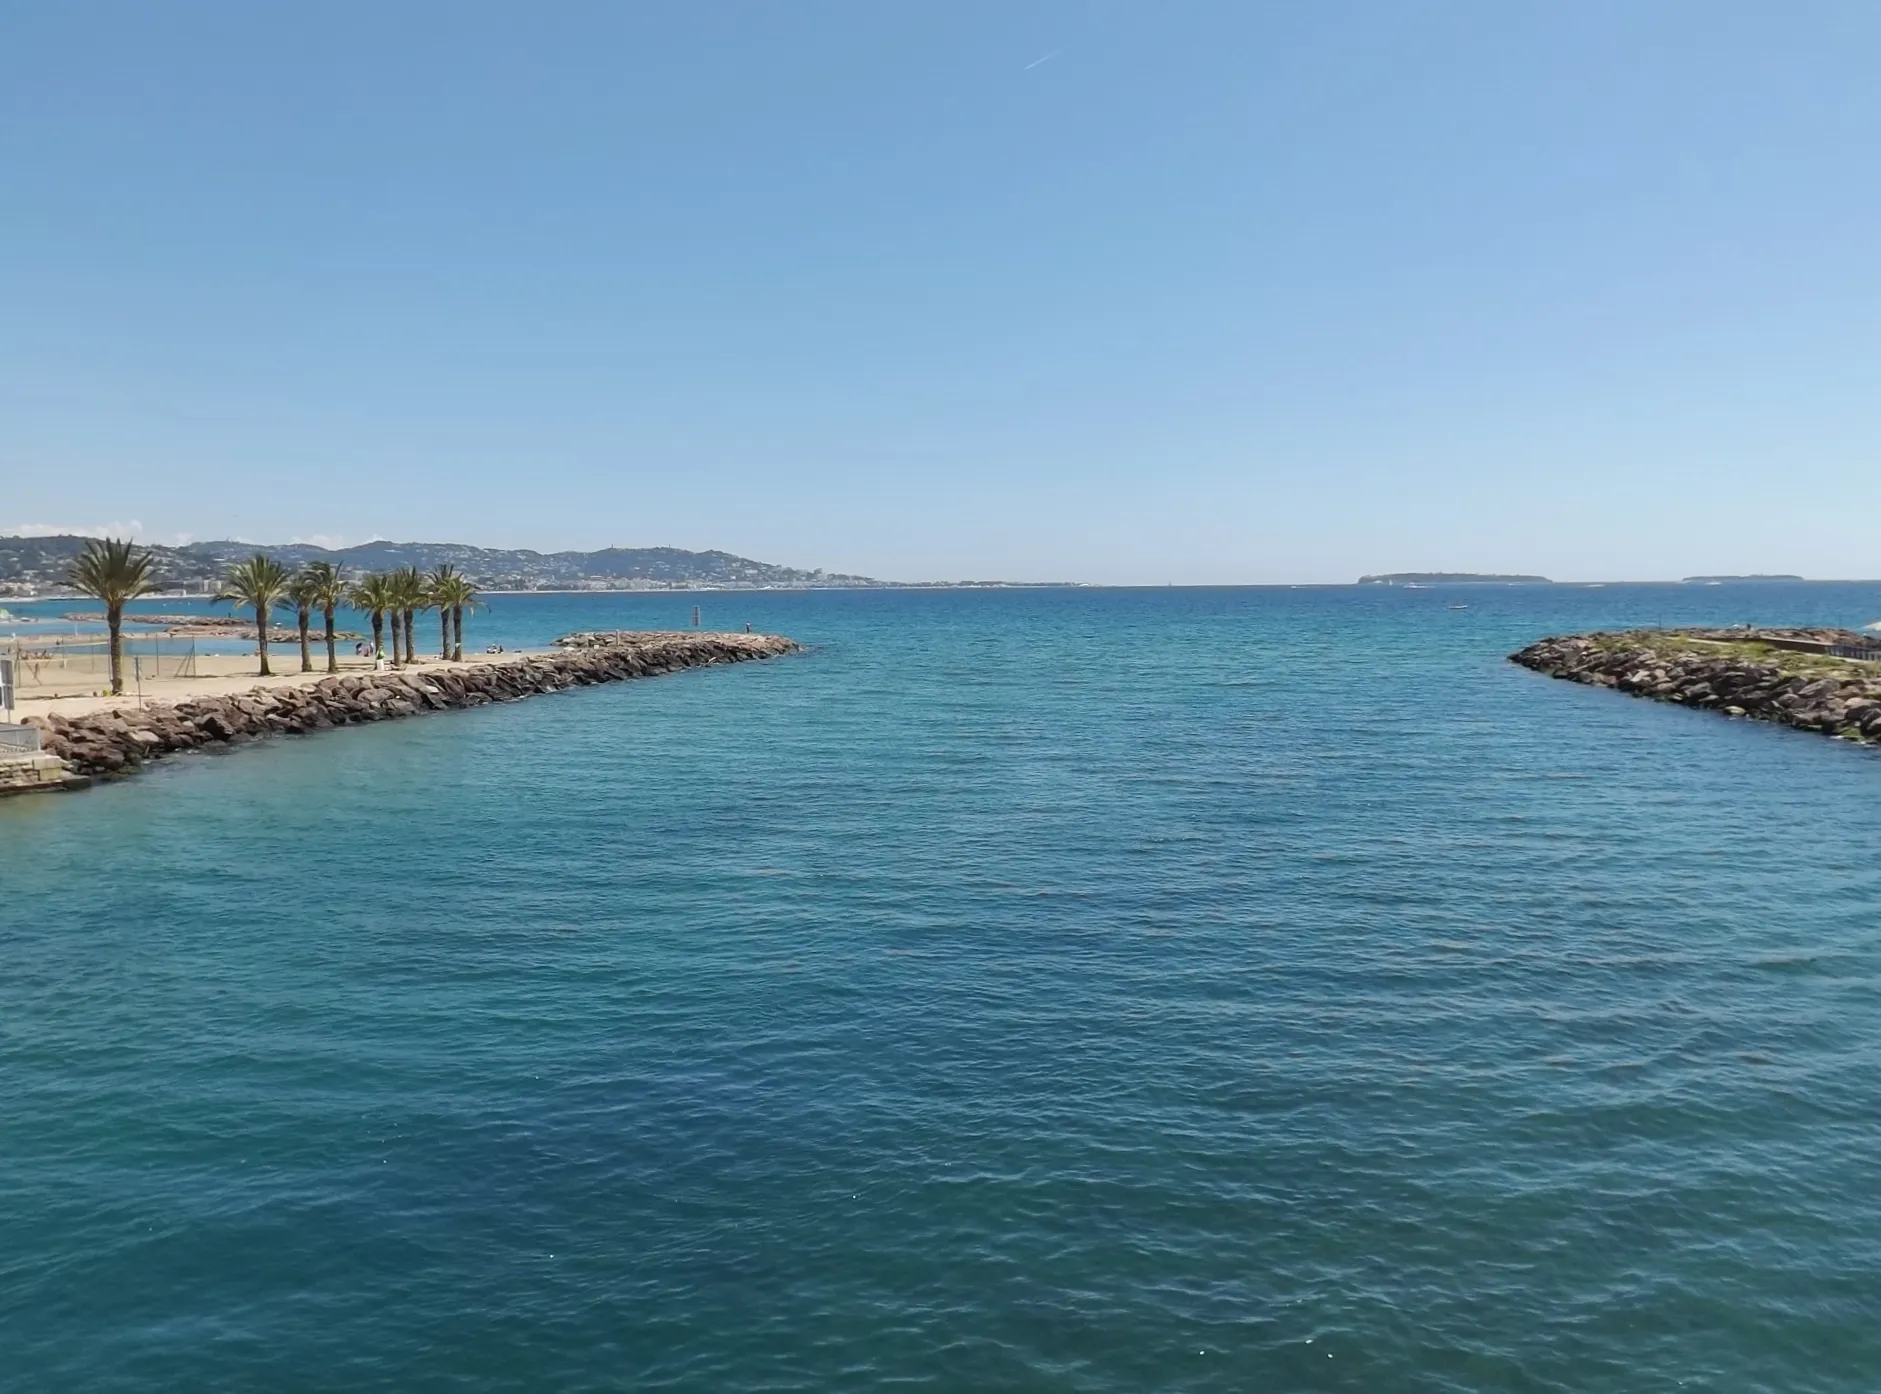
<point x="1144" y="292"/>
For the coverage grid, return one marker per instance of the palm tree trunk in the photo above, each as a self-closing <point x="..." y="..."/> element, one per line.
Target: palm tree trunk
<point x="444" y="633"/>
<point x="392" y="617"/>
<point x="114" y="617"/>
<point x="378" y="634"/>
<point x="261" y="639"/>
<point x="457" y="623"/>
<point x="306" y="659"/>
<point x="411" y="648"/>
<point x="333" y="660"/>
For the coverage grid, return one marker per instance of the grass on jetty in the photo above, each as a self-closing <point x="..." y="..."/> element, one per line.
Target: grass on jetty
<point x="1670" y="644"/>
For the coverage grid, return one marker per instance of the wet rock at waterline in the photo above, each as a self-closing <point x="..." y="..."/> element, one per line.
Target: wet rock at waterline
<point x="1762" y="675"/>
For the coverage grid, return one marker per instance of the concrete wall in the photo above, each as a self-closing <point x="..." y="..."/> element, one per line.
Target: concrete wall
<point x="31" y="774"/>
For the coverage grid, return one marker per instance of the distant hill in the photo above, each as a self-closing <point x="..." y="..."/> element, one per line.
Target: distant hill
<point x="1708" y="580"/>
<point x="1480" y="578"/>
<point x="30" y="564"/>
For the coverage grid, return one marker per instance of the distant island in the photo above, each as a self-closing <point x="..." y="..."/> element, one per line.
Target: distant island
<point x="1472" y="578"/>
<point x="1712" y="580"/>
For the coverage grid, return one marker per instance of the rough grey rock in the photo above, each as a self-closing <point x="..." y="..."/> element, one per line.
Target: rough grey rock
<point x="1637" y="663"/>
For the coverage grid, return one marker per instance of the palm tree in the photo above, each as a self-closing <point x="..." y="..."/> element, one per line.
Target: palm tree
<point x="326" y="587"/>
<point x="259" y="583"/>
<point x="388" y="582"/>
<point x="410" y="583"/>
<point x="115" y="572"/>
<point x="374" y="595"/>
<point x="453" y="594"/>
<point x="300" y="590"/>
<point x="437" y="587"/>
<point x="466" y="600"/>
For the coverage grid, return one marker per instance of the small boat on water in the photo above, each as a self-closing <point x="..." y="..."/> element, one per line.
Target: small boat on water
<point x="1459" y="607"/>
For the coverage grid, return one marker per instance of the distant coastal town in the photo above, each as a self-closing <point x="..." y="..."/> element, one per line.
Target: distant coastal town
<point x="40" y="566"/>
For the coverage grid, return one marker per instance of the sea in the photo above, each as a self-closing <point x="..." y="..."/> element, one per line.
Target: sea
<point x="1255" y="989"/>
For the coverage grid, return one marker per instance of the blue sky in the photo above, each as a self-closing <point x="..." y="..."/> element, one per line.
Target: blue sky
<point x="1229" y="292"/>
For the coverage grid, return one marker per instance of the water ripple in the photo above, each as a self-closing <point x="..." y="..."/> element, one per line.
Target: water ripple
<point x="1073" y="991"/>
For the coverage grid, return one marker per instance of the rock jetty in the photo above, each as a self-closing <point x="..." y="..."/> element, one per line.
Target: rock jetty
<point x="142" y="626"/>
<point x="116" y="742"/>
<point x="1792" y="677"/>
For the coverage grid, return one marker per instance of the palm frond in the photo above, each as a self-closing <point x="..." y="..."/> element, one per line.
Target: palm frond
<point x="112" y="570"/>
<point x="260" y="582"/>
<point x="452" y="588"/>
<point x="386" y="591"/>
<point x="323" y="583"/>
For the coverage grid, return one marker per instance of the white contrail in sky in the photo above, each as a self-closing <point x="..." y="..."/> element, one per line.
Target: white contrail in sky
<point x="1046" y="59"/>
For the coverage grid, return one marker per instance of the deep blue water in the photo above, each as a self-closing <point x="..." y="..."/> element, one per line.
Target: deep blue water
<point x="1059" y="990"/>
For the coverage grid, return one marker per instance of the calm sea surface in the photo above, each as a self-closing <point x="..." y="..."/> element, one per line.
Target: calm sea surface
<point x="1230" y="990"/>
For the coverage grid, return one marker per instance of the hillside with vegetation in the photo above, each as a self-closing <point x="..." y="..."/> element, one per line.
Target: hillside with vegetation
<point x="39" y="565"/>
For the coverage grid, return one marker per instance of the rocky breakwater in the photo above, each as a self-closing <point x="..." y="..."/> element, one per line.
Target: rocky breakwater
<point x="1738" y="672"/>
<point x="116" y="742"/>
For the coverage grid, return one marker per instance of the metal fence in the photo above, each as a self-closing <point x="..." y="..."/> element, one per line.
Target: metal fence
<point x="19" y="740"/>
<point x="49" y="663"/>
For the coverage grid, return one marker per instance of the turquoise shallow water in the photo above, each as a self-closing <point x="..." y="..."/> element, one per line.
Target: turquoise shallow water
<point x="1061" y="990"/>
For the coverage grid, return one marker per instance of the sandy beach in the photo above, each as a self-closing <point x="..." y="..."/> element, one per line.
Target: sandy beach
<point x="217" y="675"/>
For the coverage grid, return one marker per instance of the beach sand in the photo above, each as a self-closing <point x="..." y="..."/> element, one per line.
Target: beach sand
<point x="218" y="675"/>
